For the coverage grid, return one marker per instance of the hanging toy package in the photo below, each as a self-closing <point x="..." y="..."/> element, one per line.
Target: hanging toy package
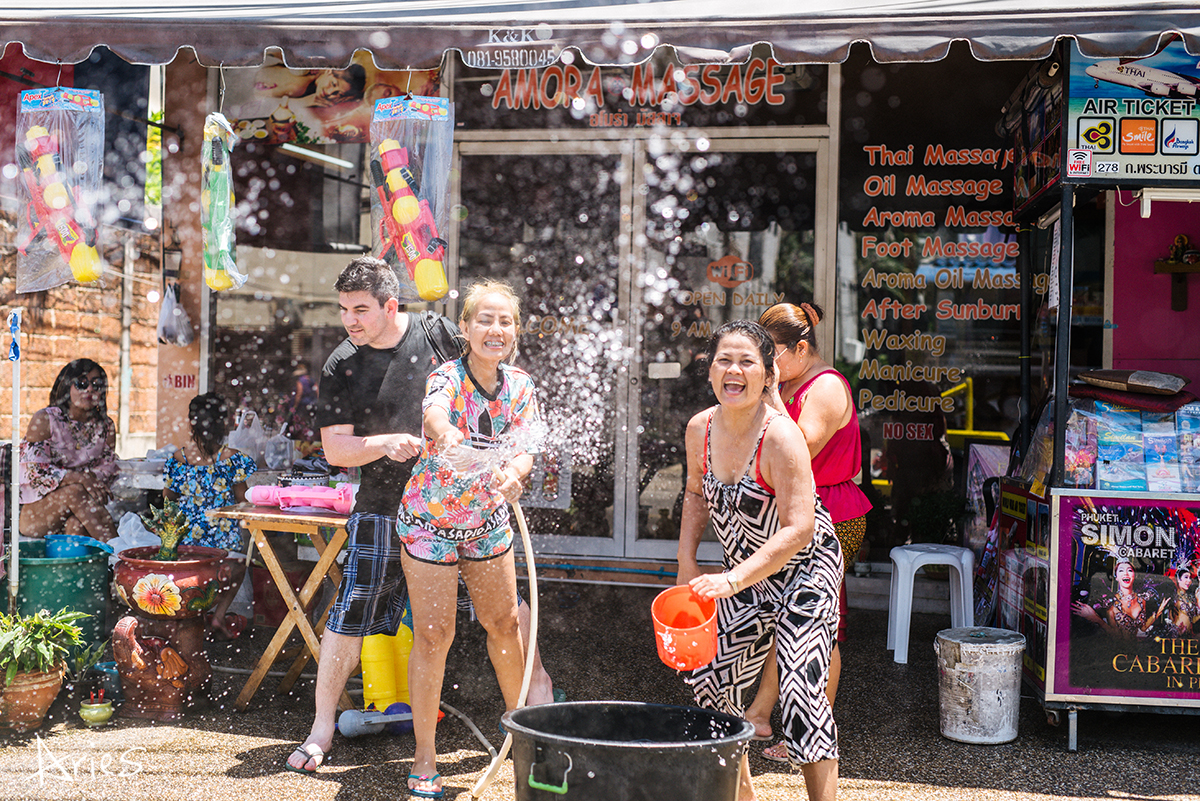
<point x="411" y="142"/>
<point x="217" y="207"/>
<point x="60" y="152"/>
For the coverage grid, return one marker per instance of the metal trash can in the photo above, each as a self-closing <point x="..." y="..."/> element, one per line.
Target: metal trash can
<point x="979" y="683"/>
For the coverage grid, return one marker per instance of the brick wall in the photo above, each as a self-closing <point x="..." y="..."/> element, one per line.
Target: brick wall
<point x="83" y="321"/>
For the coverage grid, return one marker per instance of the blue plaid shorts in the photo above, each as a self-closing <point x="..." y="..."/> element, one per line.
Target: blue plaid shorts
<point x="373" y="593"/>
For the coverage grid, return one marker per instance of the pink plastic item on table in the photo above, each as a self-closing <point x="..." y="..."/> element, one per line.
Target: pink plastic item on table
<point x="339" y="498"/>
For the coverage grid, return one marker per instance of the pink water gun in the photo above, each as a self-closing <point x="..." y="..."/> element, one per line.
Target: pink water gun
<point x="339" y="498"/>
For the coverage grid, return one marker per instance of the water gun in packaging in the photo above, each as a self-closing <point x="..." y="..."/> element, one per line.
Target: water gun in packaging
<point x="407" y="131"/>
<point x="217" y="206"/>
<point x="59" y="151"/>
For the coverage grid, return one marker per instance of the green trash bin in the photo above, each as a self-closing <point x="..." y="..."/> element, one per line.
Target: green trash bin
<point x="75" y="582"/>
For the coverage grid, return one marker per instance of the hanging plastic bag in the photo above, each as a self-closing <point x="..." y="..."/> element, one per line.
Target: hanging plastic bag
<point x="60" y="152"/>
<point x="132" y="533"/>
<point x="217" y="206"/>
<point x="249" y="436"/>
<point x="174" y="325"/>
<point x="280" y="451"/>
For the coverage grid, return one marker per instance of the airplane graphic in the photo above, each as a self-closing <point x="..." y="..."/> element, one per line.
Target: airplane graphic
<point x="1151" y="80"/>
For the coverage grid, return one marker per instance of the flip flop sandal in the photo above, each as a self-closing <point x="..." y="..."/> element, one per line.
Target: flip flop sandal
<point x="770" y="735"/>
<point x="776" y="753"/>
<point x="311" y="753"/>
<point x="418" y="793"/>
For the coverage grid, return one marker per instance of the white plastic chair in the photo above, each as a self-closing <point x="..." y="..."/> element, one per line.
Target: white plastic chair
<point x="906" y="559"/>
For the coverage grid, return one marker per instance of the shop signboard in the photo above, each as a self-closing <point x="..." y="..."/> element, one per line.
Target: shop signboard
<point x="930" y="311"/>
<point x="1125" y="599"/>
<point x="1134" y="120"/>
<point x="274" y="103"/>
<point x="657" y="94"/>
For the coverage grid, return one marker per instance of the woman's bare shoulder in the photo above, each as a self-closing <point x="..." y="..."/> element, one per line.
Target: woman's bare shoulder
<point x="39" y="426"/>
<point x="699" y="420"/>
<point x="784" y="437"/>
<point x="829" y="385"/>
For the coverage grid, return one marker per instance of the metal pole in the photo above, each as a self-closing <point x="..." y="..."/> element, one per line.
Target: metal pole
<point x="125" y="377"/>
<point x="14" y="496"/>
<point x="1062" y="349"/>
<point x="1025" y="265"/>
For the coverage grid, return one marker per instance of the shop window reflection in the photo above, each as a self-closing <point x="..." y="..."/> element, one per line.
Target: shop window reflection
<point x="548" y="224"/>
<point x="730" y="234"/>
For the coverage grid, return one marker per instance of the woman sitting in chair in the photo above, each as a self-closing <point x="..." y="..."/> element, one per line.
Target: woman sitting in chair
<point x="67" y="459"/>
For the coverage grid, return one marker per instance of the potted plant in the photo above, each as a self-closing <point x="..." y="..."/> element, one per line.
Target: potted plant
<point x="81" y="675"/>
<point x="173" y="581"/>
<point x="94" y="708"/>
<point x="33" y="653"/>
<point x="159" y="647"/>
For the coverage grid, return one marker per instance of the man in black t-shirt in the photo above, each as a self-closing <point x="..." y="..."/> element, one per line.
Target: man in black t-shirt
<point x="369" y="415"/>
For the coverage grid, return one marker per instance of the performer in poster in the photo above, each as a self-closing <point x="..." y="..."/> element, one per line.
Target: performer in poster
<point x="1182" y="609"/>
<point x="1131" y="611"/>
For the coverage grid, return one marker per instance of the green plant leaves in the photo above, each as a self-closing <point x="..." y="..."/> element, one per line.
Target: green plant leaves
<point x="37" y="642"/>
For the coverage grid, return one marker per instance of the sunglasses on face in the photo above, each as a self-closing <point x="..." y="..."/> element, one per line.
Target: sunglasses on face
<point x="83" y="383"/>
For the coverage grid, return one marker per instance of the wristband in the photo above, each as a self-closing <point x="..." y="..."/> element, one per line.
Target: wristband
<point x="733" y="582"/>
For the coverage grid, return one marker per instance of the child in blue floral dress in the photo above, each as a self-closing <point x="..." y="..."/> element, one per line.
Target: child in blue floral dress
<point x="206" y="474"/>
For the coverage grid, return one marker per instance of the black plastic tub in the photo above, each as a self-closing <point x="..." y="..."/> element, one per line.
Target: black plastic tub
<point x="624" y="751"/>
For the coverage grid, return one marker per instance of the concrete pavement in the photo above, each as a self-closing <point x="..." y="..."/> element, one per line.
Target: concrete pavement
<point x="597" y="643"/>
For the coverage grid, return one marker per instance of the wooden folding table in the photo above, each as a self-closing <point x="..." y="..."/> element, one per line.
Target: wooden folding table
<point x="259" y="520"/>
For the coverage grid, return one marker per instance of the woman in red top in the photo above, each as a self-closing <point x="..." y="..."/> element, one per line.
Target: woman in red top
<point x="818" y="398"/>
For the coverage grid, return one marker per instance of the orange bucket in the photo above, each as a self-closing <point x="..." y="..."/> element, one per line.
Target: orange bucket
<point x="685" y="626"/>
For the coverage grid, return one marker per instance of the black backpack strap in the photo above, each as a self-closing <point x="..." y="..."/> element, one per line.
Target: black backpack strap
<point x="441" y="335"/>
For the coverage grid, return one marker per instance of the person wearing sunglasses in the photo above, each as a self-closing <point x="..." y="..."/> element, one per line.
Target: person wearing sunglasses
<point x="67" y="459"/>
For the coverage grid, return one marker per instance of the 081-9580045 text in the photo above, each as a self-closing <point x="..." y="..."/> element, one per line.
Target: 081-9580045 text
<point x="510" y="57"/>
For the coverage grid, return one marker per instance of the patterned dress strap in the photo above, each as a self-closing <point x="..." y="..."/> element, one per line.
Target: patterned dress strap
<point x="704" y="456"/>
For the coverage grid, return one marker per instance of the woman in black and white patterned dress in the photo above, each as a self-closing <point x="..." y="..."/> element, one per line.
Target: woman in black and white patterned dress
<point x="749" y="473"/>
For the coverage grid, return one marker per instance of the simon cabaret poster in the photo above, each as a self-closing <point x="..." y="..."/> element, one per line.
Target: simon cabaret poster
<point x="1127" y="597"/>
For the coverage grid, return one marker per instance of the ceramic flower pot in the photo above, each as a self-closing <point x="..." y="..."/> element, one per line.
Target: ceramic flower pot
<point x="96" y="714"/>
<point x="184" y="588"/>
<point x="24" y="703"/>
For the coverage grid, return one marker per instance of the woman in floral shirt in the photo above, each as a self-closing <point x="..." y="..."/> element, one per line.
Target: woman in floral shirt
<point x="67" y="459"/>
<point x="206" y="474"/>
<point x="455" y="518"/>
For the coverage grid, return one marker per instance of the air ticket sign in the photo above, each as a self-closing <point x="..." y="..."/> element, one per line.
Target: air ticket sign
<point x="1134" y="120"/>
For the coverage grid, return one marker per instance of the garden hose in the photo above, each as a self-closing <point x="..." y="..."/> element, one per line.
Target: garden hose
<point x="530" y="648"/>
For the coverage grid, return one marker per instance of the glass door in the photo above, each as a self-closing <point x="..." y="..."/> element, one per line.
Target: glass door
<point x="551" y="219"/>
<point x="731" y="228"/>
